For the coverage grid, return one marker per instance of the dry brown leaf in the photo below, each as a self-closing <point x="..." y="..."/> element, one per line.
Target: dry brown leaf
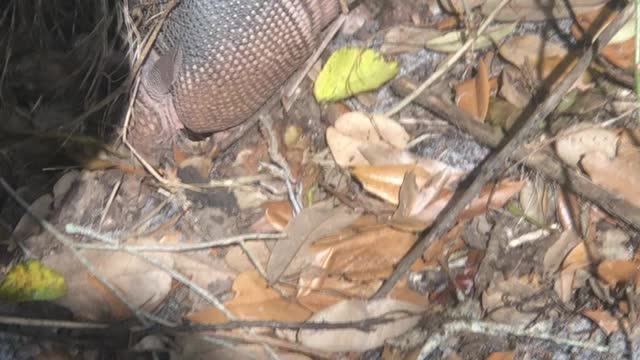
<point x="254" y="300"/>
<point x="441" y="248"/>
<point x="402" y="292"/>
<point x="513" y="88"/>
<point x="575" y="263"/>
<point x="143" y="284"/>
<point x="402" y="38"/>
<point x="353" y="130"/>
<point x="385" y="181"/>
<point x="501" y="355"/>
<point x="605" y="321"/>
<point x="577" y="141"/>
<point x="309" y="225"/>
<point x="532" y="53"/>
<point x="238" y="260"/>
<point x="367" y="255"/>
<point x="318" y="291"/>
<point x="558" y="251"/>
<point x="491" y="196"/>
<point x="621" y="54"/>
<point x="621" y="174"/>
<point x="342" y="340"/>
<point x="472" y="96"/>
<point x="278" y="214"/>
<point x="614" y="272"/>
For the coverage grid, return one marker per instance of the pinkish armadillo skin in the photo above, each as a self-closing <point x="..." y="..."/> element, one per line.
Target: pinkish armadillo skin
<point x="235" y="55"/>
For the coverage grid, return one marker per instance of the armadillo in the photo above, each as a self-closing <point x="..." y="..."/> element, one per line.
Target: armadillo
<point x="216" y="62"/>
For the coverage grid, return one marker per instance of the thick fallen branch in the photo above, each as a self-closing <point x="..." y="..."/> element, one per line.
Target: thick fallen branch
<point x="526" y="128"/>
<point x="541" y="161"/>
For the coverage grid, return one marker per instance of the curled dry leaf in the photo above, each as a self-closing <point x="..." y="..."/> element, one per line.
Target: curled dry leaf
<point x="403" y="317"/>
<point x="472" y="96"/>
<point x="385" y="181"/>
<point x="355" y="129"/>
<point x="573" y="271"/>
<point x="620" y="175"/>
<point x="575" y="142"/>
<point x="557" y="252"/>
<point x="278" y="214"/>
<point x="605" y="321"/>
<point x="143" y="284"/>
<point x="309" y="225"/>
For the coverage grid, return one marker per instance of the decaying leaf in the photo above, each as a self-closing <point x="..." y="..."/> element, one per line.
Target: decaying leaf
<point x="342" y="340"/>
<point x="30" y="281"/>
<point x="238" y="260"/>
<point x="619" y="174"/>
<point x="354" y="130"/>
<point x="143" y="284"/>
<point x="472" y="96"/>
<point x="575" y="142"/>
<point x="351" y="71"/>
<point x="309" y="225"/>
<point x="254" y="300"/>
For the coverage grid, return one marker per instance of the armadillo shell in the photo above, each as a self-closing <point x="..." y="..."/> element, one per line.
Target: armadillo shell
<point x="237" y="53"/>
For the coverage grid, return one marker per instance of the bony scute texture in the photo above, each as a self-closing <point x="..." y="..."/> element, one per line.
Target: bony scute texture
<point x="234" y="54"/>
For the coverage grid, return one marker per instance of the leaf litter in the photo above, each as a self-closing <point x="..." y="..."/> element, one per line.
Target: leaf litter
<point x="368" y="193"/>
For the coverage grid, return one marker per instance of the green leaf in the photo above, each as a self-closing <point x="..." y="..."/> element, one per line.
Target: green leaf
<point x="30" y="281"/>
<point x="350" y="71"/>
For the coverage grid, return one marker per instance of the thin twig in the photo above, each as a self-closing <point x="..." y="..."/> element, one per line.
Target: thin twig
<point x="69" y="243"/>
<point x="186" y="247"/>
<point x="447" y="64"/>
<point x="496" y="163"/>
<point x="493" y="329"/>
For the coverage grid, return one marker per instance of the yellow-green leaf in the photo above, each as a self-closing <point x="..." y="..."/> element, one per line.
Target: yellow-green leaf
<point x="31" y="281"/>
<point x="350" y="71"/>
